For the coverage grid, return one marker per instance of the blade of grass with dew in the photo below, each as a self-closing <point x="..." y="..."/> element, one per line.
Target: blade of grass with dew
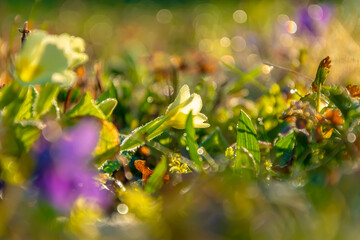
<point x="209" y="159"/>
<point x="144" y="133"/>
<point x="246" y="139"/>
<point x="284" y="148"/>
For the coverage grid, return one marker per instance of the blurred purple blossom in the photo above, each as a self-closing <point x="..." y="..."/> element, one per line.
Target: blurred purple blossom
<point x="314" y="19"/>
<point x="63" y="172"/>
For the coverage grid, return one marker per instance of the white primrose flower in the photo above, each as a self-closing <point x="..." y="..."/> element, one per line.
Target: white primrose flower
<point x="48" y="58"/>
<point x="184" y="103"/>
<point x="175" y="116"/>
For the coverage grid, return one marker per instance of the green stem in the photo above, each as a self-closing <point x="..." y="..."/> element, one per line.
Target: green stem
<point x="168" y="152"/>
<point x="144" y="133"/>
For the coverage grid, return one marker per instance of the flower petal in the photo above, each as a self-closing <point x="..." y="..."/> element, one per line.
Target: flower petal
<point x="178" y="121"/>
<point x="194" y="105"/>
<point x="183" y="95"/>
<point x="199" y="120"/>
<point x="65" y="79"/>
<point x="185" y="103"/>
<point x="49" y="58"/>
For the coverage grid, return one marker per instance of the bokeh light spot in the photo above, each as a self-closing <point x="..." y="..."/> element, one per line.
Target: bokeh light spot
<point x="266" y="69"/>
<point x="291" y="27"/>
<point x="351" y="137"/>
<point x="122" y="208"/>
<point x="225" y="42"/>
<point x="228" y="59"/>
<point x="164" y="16"/>
<point x="238" y="44"/>
<point x="240" y="16"/>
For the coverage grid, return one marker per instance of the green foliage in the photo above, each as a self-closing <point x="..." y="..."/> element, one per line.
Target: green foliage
<point x="13" y="97"/>
<point x="10" y="93"/>
<point x="85" y="107"/>
<point x="340" y="98"/>
<point x="191" y="143"/>
<point x="26" y="110"/>
<point x="46" y="97"/>
<point x="26" y="134"/>
<point x="246" y="141"/>
<point x="145" y="133"/>
<point x="107" y="106"/>
<point x="302" y="149"/>
<point x="284" y="149"/>
<point x="108" y="144"/>
<point x="215" y="143"/>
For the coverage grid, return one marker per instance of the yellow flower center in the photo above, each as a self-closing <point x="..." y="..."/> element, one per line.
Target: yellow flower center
<point x="27" y="71"/>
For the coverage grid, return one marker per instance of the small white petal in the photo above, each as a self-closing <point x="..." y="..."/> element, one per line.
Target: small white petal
<point x="194" y="105"/>
<point x="183" y="95"/>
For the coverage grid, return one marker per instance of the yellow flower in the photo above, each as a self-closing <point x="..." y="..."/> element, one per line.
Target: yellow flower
<point x="49" y="58"/>
<point x="175" y="116"/>
<point x="184" y="103"/>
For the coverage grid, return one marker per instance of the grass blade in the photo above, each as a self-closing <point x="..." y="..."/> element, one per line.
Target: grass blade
<point x="246" y="139"/>
<point x="191" y="143"/>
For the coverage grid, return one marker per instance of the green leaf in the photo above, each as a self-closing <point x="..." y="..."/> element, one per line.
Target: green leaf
<point x="246" y="139"/>
<point x="9" y="144"/>
<point x="191" y="143"/>
<point x="302" y="149"/>
<point x="11" y="93"/>
<point x="55" y="110"/>
<point x="27" y="135"/>
<point x="26" y="110"/>
<point x="18" y="138"/>
<point x="341" y="99"/>
<point x="86" y="107"/>
<point x="11" y="110"/>
<point x="107" y="106"/>
<point x="47" y="95"/>
<point x="108" y="144"/>
<point x="144" y="133"/>
<point x="284" y="149"/>
<point x="156" y="179"/>
<point x="215" y="143"/>
<point x="110" y="93"/>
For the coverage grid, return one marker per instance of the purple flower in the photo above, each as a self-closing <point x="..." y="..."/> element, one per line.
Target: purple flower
<point x="63" y="171"/>
<point x="314" y="19"/>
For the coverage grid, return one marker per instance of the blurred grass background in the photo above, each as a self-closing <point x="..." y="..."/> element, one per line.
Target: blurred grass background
<point x="257" y="34"/>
